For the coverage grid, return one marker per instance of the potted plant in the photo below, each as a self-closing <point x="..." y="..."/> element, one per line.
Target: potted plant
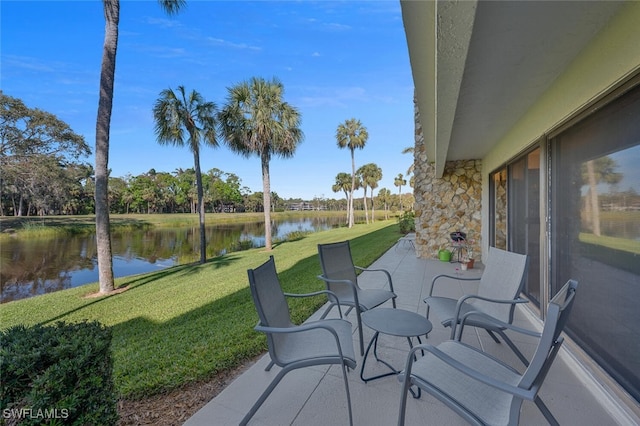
<point x="470" y="260"/>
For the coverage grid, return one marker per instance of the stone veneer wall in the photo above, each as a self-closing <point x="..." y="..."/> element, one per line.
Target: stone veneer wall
<point x="447" y="204"/>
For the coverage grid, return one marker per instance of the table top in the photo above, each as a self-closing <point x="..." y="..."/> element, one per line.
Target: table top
<point x="396" y="322"/>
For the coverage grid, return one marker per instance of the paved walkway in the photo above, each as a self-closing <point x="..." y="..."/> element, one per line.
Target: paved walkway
<point x="316" y="396"/>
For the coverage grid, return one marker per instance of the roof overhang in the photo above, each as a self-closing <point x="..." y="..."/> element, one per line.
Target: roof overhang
<point x="478" y="66"/>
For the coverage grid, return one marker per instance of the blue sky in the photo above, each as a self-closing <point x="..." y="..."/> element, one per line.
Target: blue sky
<point x="337" y="60"/>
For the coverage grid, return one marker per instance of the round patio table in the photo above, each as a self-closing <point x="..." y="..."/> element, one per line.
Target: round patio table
<point x="394" y="322"/>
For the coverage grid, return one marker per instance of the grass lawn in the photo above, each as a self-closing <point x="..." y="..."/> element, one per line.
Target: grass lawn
<point x="190" y="322"/>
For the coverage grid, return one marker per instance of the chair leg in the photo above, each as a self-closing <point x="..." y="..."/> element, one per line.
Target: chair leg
<point x="331" y="305"/>
<point x="263" y="397"/>
<point x="360" y="334"/>
<point x="346" y="386"/>
<point x="493" y="336"/>
<point x="545" y="412"/>
<point x="406" y="384"/>
<point x="514" y="348"/>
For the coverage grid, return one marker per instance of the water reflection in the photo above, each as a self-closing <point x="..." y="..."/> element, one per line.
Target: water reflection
<point x="37" y="266"/>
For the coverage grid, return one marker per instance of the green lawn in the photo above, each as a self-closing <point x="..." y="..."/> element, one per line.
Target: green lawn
<point x="190" y="322"/>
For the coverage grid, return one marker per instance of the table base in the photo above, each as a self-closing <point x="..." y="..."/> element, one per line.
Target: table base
<point x="393" y="372"/>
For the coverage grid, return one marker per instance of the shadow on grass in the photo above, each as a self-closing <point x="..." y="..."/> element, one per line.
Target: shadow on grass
<point x="157" y="356"/>
<point x="219" y="335"/>
<point x="139" y="281"/>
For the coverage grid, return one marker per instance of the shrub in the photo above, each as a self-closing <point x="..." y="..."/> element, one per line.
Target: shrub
<point x="407" y="222"/>
<point x="57" y="374"/>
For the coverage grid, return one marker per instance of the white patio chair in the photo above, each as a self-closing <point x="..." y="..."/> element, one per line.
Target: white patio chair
<point x="480" y="388"/>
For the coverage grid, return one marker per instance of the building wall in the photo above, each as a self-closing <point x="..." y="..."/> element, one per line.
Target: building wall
<point x="451" y="203"/>
<point x="611" y="57"/>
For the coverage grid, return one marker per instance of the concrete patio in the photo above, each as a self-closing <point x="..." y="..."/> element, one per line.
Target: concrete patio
<point x="316" y="396"/>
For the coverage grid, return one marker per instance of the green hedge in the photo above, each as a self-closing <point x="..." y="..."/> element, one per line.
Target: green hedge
<point x="60" y="374"/>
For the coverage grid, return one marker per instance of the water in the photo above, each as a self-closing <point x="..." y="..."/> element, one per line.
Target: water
<point x="37" y="266"/>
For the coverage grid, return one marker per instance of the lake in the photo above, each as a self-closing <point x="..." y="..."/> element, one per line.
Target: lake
<point x="34" y="266"/>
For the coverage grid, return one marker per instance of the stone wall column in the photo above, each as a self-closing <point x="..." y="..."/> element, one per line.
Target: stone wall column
<point x="447" y="204"/>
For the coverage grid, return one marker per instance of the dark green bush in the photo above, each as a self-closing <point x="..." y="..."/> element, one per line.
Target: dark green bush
<point x="60" y="374"/>
<point x="407" y="222"/>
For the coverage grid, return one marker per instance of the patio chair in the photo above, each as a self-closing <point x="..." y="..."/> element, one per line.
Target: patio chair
<point x="340" y="277"/>
<point x="480" y="388"/>
<point x="327" y="341"/>
<point x="498" y="293"/>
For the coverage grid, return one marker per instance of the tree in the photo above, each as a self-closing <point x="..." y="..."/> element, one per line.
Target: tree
<point x="38" y="156"/>
<point x="595" y="171"/>
<point x="103" y="125"/>
<point x="353" y="135"/>
<point x="187" y="120"/>
<point x="384" y="197"/>
<point x="256" y="120"/>
<point x="410" y="150"/>
<point x="399" y="181"/>
<point x="343" y="183"/>
<point x="371" y="174"/>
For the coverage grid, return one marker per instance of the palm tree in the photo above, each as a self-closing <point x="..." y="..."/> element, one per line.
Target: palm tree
<point x="399" y="181"/>
<point x="353" y="135"/>
<point x="256" y="120"/>
<point x="369" y="174"/>
<point x="343" y="183"/>
<point x="410" y="150"/>
<point x="175" y="114"/>
<point x="372" y="174"/>
<point x="384" y="196"/>
<point x="103" y="124"/>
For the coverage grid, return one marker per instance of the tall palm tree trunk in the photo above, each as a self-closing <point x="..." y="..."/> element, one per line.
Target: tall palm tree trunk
<point x="353" y="184"/>
<point x="203" y="237"/>
<point x="373" y="208"/>
<point x="103" y="122"/>
<point x="266" y="198"/>
<point x="364" y="200"/>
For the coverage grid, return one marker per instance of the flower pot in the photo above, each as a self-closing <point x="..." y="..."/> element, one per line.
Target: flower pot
<point x="470" y="263"/>
<point x="463" y="265"/>
<point x="444" y="255"/>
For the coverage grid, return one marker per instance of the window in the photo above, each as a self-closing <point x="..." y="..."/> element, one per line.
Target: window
<point x="595" y="233"/>
<point x="515" y="211"/>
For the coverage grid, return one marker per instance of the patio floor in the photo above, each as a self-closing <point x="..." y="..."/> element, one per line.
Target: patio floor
<point x="316" y="395"/>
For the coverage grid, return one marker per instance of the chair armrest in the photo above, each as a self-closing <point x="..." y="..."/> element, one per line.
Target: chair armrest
<point x="465" y="369"/>
<point x="433" y="281"/>
<point x="389" y="281"/>
<point x="495" y="321"/>
<point x="350" y="283"/>
<point x="330" y="295"/>
<point x="315" y="325"/>
<point x="466" y="297"/>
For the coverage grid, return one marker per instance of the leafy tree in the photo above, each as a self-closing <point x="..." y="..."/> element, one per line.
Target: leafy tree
<point x="187" y="120"/>
<point x="256" y="120"/>
<point x="103" y="125"/>
<point x="353" y="135"/>
<point x="186" y="194"/>
<point x="38" y="155"/>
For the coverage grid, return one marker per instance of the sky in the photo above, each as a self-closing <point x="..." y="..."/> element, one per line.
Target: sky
<point x="336" y="60"/>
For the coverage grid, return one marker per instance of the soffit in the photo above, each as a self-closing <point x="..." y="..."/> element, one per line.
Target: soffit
<point x="515" y="51"/>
